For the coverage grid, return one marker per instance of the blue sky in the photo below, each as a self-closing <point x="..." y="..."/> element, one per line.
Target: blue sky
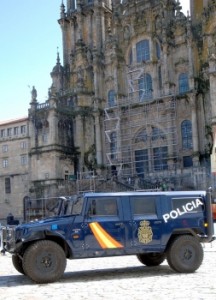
<point x="30" y="35"/>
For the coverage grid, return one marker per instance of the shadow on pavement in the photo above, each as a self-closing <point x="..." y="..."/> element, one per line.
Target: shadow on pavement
<point x="116" y="274"/>
<point x="93" y="275"/>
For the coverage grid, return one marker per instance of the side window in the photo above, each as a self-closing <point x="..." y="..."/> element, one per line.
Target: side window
<point x="187" y="204"/>
<point x="103" y="207"/>
<point x="143" y="205"/>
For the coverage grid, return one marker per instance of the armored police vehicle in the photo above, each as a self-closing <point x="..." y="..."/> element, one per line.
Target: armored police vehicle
<point x="154" y="226"/>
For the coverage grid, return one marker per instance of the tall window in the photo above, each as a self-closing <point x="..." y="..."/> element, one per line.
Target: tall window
<point x="3" y="133"/>
<point x="159" y="78"/>
<point x="111" y="98"/>
<point x="5" y="148"/>
<point x="16" y="130"/>
<point x="160" y="158"/>
<point x="142" y="51"/>
<point x="145" y="87"/>
<point x="141" y="162"/>
<point x="130" y="57"/>
<point x="158" y="51"/>
<point x="23" y="145"/>
<point x="186" y="132"/>
<point x="183" y="83"/>
<point x="5" y="163"/>
<point x="7" y="186"/>
<point x="9" y="131"/>
<point x="23" y="129"/>
<point x="113" y="144"/>
<point x="24" y="160"/>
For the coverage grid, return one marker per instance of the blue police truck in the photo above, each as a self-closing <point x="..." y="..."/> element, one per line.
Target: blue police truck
<point x="154" y="226"/>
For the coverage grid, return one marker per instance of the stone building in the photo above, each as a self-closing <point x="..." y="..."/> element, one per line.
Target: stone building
<point x="14" y="168"/>
<point x="132" y="105"/>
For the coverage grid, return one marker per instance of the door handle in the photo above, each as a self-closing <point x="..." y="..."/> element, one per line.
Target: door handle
<point x="119" y="224"/>
<point x="157" y="222"/>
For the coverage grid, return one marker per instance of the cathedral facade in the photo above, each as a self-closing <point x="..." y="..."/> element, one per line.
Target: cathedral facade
<point x="133" y="101"/>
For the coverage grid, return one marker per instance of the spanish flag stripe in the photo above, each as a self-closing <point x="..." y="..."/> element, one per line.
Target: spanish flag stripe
<point x="94" y="230"/>
<point x="103" y="238"/>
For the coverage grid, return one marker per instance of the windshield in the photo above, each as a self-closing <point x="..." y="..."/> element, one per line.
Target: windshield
<point x="64" y="206"/>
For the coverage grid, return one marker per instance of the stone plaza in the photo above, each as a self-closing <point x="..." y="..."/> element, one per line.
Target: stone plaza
<point x="114" y="278"/>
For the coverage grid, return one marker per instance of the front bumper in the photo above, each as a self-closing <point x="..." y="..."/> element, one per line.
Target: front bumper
<point x="7" y="236"/>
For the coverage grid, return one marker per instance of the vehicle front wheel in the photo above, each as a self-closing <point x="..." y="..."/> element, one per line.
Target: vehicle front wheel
<point x="17" y="263"/>
<point x="151" y="259"/>
<point x="185" y="254"/>
<point x="44" y="261"/>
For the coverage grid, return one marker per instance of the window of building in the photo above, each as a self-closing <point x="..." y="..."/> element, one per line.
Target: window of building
<point x="16" y="130"/>
<point x="187" y="162"/>
<point x="113" y="144"/>
<point x="158" y="50"/>
<point x="142" y="51"/>
<point x="157" y="133"/>
<point x="150" y="157"/>
<point x="143" y="205"/>
<point x="159" y="78"/>
<point x="23" y="129"/>
<point x="183" y="83"/>
<point x="7" y="186"/>
<point x="186" y="132"/>
<point x="3" y="133"/>
<point x="9" y="132"/>
<point x="23" y="145"/>
<point x="160" y="155"/>
<point x="44" y="138"/>
<point x="145" y="87"/>
<point x="130" y="57"/>
<point x="141" y="162"/>
<point x="24" y="160"/>
<point x="5" y="163"/>
<point x="111" y="98"/>
<point x="5" y="148"/>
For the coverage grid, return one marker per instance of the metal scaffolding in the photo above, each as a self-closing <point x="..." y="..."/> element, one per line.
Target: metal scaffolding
<point x="141" y="134"/>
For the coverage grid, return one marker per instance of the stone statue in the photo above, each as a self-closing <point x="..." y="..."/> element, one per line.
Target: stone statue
<point x="34" y="94"/>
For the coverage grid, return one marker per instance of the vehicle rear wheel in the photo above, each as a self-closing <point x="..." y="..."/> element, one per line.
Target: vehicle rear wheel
<point x="151" y="259"/>
<point x="17" y="263"/>
<point x="185" y="254"/>
<point x="44" y="261"/>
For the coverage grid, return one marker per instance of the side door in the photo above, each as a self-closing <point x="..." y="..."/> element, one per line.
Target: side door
<point x="146" y="222"/>
<point x="104" y="231"/>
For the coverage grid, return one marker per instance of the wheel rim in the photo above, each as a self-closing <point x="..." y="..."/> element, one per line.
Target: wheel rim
<point x="46" y="262"/>
<point x="187" y="254"/>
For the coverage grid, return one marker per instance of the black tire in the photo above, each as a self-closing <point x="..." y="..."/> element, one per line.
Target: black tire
<point x="44" y="261"/>
<point x="185" y="254"/>
<point x="151" y="259"/>
<point x="17" y="263"/>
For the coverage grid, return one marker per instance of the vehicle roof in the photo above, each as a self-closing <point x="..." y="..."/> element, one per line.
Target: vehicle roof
<point x="139" y="193"/>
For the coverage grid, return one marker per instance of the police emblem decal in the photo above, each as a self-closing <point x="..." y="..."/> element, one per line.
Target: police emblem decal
<point x="145" y="233"/>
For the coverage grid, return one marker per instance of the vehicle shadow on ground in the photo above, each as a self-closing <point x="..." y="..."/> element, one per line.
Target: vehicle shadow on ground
<point x="93" y="275"/>
<point x="116" y="273"/>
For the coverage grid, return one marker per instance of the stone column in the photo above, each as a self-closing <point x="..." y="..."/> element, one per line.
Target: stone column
<point x="195" y="136"/>
<point x="98" y="140"/>
<point x="79" y="141"/>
